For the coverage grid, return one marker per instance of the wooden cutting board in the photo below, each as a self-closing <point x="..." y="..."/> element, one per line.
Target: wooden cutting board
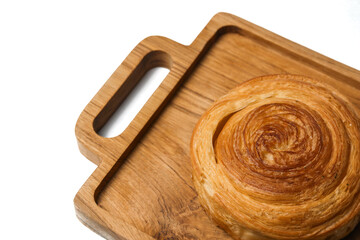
<point x="142" y="187"/>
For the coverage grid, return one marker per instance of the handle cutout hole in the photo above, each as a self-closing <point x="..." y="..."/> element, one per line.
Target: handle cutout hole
<point x="133" y="103"/>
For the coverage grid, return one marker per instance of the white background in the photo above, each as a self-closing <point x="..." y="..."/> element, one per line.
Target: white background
<point x="55" y="55"/>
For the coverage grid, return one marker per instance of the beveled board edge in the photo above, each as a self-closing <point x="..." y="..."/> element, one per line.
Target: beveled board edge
<point x="109" y="153"/>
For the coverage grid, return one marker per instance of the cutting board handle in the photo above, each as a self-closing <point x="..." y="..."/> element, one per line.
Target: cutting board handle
<point x="152" y="52"/>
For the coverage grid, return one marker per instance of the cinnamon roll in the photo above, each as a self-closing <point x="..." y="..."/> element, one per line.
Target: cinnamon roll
<point x="278" y="157"/>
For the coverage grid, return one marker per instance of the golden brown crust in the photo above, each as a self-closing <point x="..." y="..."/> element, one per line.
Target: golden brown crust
<point x="278" y="157"/>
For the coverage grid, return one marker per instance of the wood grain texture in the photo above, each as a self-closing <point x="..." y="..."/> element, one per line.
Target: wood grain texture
<point x="142" y="187"/>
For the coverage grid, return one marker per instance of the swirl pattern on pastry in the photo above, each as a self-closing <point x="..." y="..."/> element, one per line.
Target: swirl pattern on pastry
<point x="278" y="157"/>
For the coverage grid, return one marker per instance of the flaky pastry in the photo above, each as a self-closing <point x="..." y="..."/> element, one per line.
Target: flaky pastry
<point x="278" y="157"/>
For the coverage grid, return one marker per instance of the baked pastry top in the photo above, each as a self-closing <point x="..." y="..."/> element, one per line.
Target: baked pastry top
<point x="278" y="157"/>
